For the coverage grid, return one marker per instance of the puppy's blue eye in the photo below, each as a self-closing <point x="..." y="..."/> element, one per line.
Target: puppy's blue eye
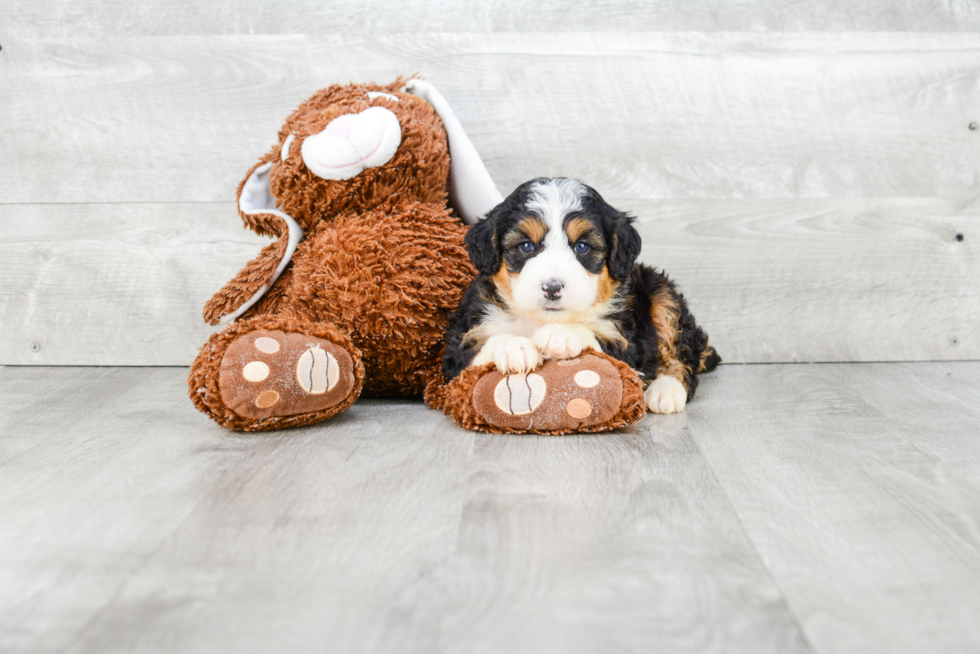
<point x="581" y="247"/>
<point x="526" y="246"/>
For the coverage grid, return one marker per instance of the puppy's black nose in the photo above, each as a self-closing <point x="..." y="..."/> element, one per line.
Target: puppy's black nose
<point x="552" y="289"/>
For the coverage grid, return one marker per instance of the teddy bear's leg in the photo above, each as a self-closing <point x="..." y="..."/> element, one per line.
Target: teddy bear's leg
<point x="273" y="372"/>
<point x="589" y="393"/>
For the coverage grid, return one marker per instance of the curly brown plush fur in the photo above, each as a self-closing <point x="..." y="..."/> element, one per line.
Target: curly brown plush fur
<point x="203" y="380"/>
<point x="456" y="400"/>
<point x="380" y="267"/>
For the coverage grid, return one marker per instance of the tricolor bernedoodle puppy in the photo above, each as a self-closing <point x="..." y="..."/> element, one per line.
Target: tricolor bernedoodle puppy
<point x="557" y="274"/>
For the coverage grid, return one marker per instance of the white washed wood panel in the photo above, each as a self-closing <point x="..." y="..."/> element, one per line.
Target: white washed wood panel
<point x="823" y="280"/>
<point x="114" y="284"/>
<point x="641" y="115"/>
<point x="780" y="280"/>
<point x="181" y="17"/>
<point x="858" y="484"/>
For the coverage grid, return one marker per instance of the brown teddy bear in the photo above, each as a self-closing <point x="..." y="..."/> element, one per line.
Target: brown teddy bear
<point x="355" y="294"/>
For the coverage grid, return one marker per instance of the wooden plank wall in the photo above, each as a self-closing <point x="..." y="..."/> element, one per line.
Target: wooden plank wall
<point x="806" y="171"/>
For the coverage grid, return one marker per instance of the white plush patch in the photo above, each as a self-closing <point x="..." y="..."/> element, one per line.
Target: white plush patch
<point x="666" y="395"/>
<point x="374" y="95"/>
<point x="255" y="371"/>
<point x="509" y="354"/>
<point x="587" y="378"/>
<point x="256" y="198"/>
<point x="284" y="151"/>
<point x="518" y="395"/>
<point x="317" y="371"/>
<point x="267" y="345"/>
<point x="353" y="143"/>
<point x="471" y="189"/>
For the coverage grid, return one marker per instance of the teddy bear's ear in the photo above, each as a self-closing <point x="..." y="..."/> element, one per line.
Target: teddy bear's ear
<point x="471" y="189"/>
<point x="255" y="203"/>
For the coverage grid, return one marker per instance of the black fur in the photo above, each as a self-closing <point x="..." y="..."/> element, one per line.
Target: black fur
<point x="635" y="322"/>
<point x="622" y="240"/>
<point x="626" y="245"/>
<point x="481" y="243"/>
<point x="460" y="351"/>
<point x="639" y="287"/>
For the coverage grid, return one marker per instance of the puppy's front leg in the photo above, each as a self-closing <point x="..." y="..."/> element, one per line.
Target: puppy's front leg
<point x="511" y="354"/>
<point x="564" y="341"/>
<point x="666" y="394"/>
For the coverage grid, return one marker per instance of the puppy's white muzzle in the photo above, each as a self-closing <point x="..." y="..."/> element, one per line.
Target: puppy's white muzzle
<point x="352" y="143"/>
<point x="555" y="268"/>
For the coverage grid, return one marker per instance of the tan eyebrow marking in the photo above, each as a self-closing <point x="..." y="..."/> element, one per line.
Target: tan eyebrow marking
<point x="576" y="228"/>
<point x="529" y="228"/>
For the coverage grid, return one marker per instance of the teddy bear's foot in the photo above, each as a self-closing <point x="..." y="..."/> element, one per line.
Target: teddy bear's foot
<point x="273" y="373"/>
<point x="586" y="394"/>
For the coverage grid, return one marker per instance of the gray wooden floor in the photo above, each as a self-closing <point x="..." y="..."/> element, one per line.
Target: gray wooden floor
<point x="811" y="508"/>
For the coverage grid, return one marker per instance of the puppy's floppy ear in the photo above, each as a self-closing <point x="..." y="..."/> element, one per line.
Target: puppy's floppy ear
<point x="484" y="248"/>
<point x="626" y="244"/>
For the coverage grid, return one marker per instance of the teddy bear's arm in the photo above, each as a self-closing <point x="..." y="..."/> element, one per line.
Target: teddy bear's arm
<point x="249" y="281"/>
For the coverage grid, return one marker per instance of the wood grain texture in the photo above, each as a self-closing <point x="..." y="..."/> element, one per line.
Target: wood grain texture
<point x="102" y="521"/>
<point x="120" y="284"/>
<point x="641" y="115"/>
<point x="780" y="280"/>
<point x="809" y="508"/>
<point x="147" y="528"/>
<point x="160" y="17"/>
<point x="83" y="394"/>
<point x="859" y="485"/>
<point x="823" y="280"/>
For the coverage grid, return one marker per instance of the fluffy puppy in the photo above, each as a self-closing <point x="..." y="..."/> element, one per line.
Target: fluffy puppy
<point x="558" y="274"/>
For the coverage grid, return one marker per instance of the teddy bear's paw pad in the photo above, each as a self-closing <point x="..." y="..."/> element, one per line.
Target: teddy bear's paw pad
<point x="274" y="373"/>
<point x="517" y="395"/>
<point x="566" y="395"/>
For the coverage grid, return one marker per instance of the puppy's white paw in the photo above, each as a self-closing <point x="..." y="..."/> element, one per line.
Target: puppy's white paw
<point x="666" y="395"/>
<point x="511" y="354"/>
<point x="558" y="341"/>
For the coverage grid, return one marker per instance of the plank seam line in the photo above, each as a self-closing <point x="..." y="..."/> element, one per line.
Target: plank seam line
<point x="150" y="555"/>
<point x="782" y="595"/>
<point x="106" y="400"/>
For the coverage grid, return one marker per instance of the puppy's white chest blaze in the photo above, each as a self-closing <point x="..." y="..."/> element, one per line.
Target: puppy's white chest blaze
<point x="498" y="321"/>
